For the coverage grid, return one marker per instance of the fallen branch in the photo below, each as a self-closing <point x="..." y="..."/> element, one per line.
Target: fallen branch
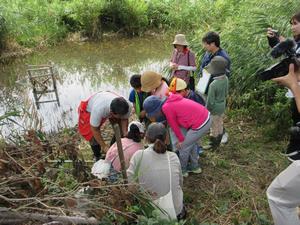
<point x="7" y="215"/>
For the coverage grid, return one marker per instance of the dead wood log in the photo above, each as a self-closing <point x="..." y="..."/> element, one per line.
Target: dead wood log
<point x="8" y="216"/>
<point x="120" y="151"/>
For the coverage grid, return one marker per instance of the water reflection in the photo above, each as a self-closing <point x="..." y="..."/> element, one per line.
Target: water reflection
<point x="83" y="69"/>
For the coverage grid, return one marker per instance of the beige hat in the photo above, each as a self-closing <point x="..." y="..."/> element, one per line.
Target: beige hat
<point x="150" y="81"/>
<point x="177" y="84"/>
<point x="180" y="40"/>
<point x="217" y="66"/>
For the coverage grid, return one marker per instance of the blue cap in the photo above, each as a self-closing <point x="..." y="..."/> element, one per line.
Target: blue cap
<point x="152" y="105"/>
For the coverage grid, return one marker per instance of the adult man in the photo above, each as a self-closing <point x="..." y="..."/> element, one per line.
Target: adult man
<point x="95" y="111"/>
<point x="211" y="43"/>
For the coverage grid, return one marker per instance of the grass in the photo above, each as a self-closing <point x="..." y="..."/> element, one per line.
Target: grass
<point x="232" y="186"/>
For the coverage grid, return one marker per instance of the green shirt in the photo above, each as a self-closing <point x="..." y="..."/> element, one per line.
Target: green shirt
<point x="217" y="93"/>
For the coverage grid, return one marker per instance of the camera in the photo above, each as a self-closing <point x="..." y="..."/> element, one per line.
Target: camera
<point x="287" y="48"/>
<point x="275" y="32"/>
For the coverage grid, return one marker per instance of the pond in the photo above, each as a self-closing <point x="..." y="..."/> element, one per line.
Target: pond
<point x="81" y="70"/>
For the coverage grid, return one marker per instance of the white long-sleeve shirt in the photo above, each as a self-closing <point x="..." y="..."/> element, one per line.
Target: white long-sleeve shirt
<point x="151" y="171"/>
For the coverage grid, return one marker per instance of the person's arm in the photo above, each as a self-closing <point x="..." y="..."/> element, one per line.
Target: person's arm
<point x="133" y="171"/>
<point x="191" y="66"/>
<point x="97" y="116"/>
<point x="171" y="119"/>
<point x="204" y="63"/>
<point x="97" y="135"/>
<point x="210" y="101"/>
<point x="172" y="64"/>
<point x="188" y="68"/>
<point x="291" y="81"/>
<point x="124" y="125"/>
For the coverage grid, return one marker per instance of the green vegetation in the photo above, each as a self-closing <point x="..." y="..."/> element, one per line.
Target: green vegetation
<point x="232" y="188"/>
<point x="241" y="24"/>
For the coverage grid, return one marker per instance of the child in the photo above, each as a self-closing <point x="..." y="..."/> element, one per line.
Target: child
<point x="154" y="83"/>
<point x="137" y="96"/>
<point x="216" y="99"/>
<point x="183" y="113"/>
<point x="179" y="86"/>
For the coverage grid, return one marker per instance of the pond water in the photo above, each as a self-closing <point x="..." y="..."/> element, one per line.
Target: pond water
<point x="81" y="69"/>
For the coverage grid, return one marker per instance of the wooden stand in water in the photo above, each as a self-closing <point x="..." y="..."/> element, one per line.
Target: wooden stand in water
<point x="43" y="82"/>
<point x="120" y="150"/>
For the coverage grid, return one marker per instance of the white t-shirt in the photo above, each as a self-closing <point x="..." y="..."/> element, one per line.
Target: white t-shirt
<point x="99" y="107"/>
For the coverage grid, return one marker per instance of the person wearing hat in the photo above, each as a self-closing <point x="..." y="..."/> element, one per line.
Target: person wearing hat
<point x="182" y="60"/>
<point x="154" y="168"/>
<point x="181" y="113"/>
<point x="179" y="86"/>
<point x="130" y="144"/>
<point x="216" y="99"/>
<point x="154" y="84"/>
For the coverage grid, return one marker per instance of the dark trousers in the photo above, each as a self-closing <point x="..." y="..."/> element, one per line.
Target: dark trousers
<point x="294" y="144"/>
<point x="96" y="148"/>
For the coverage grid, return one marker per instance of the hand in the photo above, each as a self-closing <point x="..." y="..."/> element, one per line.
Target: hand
<point x="174" y="66"/>
<point x="290" y="80"/>
<point x="270" y="33"/>
<point x="143" y="114"/>
<point x="179" y="145"/>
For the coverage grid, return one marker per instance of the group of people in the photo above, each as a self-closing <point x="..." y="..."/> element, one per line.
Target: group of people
<point x="173" y="116"/>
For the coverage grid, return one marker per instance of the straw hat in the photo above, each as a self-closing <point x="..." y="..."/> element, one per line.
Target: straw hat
<point x="180" y="40"/>
<point x="217" y="66"/>
<point x="177" y="84"/>
<point x="150" y="81"/>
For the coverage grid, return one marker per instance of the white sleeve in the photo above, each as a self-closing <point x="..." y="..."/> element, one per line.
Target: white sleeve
<point x="188" y="68"/>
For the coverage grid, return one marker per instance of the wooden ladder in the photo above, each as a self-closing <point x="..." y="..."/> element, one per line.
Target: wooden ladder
<point x="43" y="82"/>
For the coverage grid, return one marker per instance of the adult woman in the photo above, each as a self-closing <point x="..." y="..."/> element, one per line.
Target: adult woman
<point x="154" y="167"/>
<point x="292" y="151"/>
<point x="182" y="113"/>
<point x="130" y="144"/>
<point x="182" y="60"/>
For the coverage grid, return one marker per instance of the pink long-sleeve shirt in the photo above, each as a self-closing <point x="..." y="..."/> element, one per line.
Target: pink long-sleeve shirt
<point x="129" y="148"/>
<point x="183" y="112"/>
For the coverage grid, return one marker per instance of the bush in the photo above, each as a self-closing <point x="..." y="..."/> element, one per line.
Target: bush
<point x="2" y="32"/>
<point x="243" y="35"/>
<point x="125" y="16"/>
<point x="84" y="16"/>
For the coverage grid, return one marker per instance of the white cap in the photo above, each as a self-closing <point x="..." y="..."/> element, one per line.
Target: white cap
<point x="139" y="125"/>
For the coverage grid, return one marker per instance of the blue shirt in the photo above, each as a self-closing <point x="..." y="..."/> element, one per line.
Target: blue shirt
<point x="141" y="95"/>
<point x="208" y="57"/>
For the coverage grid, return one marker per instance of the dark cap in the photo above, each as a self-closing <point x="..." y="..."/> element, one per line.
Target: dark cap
<point x="156" y="131"/>
<point x="217" y="66"/>
<point x="152" y="105"/>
